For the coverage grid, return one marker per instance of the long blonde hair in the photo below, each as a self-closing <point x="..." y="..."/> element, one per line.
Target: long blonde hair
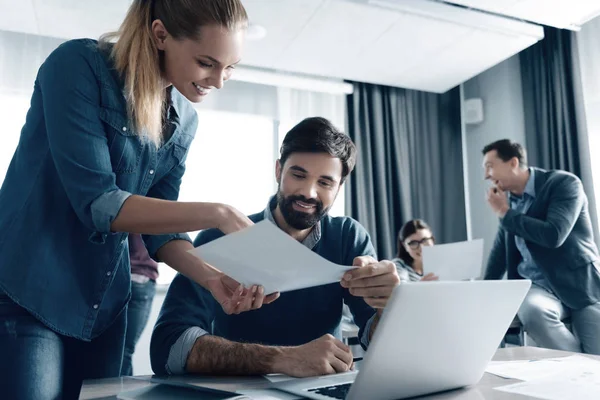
<point x="138" y="60"/>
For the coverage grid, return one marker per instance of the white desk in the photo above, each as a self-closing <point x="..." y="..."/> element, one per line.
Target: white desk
<point x="108" y="388"/>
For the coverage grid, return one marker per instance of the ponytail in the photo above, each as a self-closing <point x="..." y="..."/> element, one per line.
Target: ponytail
<point x="138" y="60"/>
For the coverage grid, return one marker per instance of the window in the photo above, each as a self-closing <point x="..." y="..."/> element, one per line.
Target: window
<point x="231" y="161"/>
<point x="593" y="120"/>
<point x="13" y="109"/>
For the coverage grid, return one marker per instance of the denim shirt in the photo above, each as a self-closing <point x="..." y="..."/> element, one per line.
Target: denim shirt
<point x="77" y="161"/>
<point x="527" y="268"/>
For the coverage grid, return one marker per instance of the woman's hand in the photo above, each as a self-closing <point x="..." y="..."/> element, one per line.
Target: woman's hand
<point x="231" y="219"/>
<point x="228" y="292"/>
<point x="430" y="277"/>
<point x="234" y="298"/>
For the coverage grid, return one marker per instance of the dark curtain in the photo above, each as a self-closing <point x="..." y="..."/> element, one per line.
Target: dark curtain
<point x="409" y="163"/>
<point x="555" y="122"/>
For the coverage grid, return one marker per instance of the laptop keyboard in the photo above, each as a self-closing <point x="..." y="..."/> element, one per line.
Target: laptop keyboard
<point x="335" y="392"/>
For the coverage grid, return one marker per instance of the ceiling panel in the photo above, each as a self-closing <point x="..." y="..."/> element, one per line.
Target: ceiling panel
<point x="428" y="45"/>
<point x="557" y="13"/>
<point x="335" y="37"/>
<point x="412" y="41"/>
<point x="477" y="52"/>
<point x="284" y="20"/>
<point x="75" y="19"/>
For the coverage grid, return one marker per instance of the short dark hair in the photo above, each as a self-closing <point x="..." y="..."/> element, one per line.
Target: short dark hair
<point x="409" y="228"/>
<point x="507" y="150"/>
<point x="318" y="135"/>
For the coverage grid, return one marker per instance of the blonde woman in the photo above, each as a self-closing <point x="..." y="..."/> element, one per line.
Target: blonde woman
<point x="102" y="153"/>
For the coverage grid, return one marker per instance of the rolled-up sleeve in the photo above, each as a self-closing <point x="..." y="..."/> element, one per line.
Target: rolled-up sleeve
<point x="187" y="313"/>
<point x="76" y="136"/>
<point x="106" y="207"/>
<point x="181" y="349"/>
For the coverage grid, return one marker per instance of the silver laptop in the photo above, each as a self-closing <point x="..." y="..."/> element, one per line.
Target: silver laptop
<point x="433" y="336"/>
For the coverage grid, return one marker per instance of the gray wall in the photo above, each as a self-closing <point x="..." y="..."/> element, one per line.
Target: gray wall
<point x="500" y="89"/>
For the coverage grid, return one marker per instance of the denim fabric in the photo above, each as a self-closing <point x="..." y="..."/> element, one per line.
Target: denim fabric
<point x="138" y="311"/>
<point x="38" y="364"/>
<point x="78" y="159"/>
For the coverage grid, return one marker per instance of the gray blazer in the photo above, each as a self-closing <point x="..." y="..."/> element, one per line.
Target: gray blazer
<point x="558" y="233"/>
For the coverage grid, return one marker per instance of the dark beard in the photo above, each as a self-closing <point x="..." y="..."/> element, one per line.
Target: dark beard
<point x="297" y="219"/>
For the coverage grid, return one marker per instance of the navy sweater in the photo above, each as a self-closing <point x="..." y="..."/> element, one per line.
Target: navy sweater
<point x="295" y="318"/>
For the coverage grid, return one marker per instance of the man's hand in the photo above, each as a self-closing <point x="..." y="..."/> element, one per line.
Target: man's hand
<point x="234" y="297"/>
<point x="373" y="280"/>
<point x="498" y="201"/>
<point x="430" y="277"/>
<point x="323" y="356"/>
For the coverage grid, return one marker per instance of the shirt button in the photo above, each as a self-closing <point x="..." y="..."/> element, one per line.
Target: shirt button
<point x="108" y="273"/>
<point x="151" y="172"/>
<point x="95" y="306"/>
<point x="124" y="129"/>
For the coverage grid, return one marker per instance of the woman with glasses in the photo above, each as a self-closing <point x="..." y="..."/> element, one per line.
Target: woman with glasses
<point x="412" y="237"/>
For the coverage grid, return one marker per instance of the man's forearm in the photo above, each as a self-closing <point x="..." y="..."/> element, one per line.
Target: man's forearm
<point x="212" y="355"/>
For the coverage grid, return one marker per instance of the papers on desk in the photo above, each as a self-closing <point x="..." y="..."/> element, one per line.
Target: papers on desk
<point x="268" y="394"/>
<point x="458" y="261"/>
<point x="528" y="370"/>
<point x="276" y="378"/>
<point x="265" y="255"/>
<point x="574" y="377"/>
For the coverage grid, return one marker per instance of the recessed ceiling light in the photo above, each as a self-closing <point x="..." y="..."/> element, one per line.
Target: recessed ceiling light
<point x="256" y="32"/>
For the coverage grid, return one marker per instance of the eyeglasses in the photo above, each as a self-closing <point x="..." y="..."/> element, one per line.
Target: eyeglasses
<point x="415" y="244"/>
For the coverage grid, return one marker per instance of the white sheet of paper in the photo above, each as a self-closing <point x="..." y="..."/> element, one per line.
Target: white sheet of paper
<point x="276" y="378"/>
<point x="530" y="370"/>
<point x="268" y="394"/>
<point x="265" y="255"/>
<point x="580" y="381"/>
<point x="454" y="261"/>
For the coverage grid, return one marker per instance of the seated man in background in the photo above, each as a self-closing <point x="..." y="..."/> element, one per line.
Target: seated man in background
<point x="412" y="237"/>
<point x="545" y="235"/>
<point x="297" y="335"/>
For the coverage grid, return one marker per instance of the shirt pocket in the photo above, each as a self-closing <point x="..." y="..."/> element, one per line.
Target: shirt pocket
<point x="174" y="154"/>
<point x="181" y="147"/>
<point x="125" y="147"/>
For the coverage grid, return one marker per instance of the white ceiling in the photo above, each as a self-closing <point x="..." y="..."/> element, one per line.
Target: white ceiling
<point x="556" y="13"/>
<point x="433" y="48"/>
<point x="416" y="44"/>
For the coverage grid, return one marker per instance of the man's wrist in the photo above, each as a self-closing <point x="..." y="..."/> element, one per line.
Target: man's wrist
<point x="502" y="212"/>
<point x="280" y="359"/>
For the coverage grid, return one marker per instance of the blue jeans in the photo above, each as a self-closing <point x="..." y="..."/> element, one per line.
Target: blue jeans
<point x="138" y="312"/>
<point x="542" y="315"/>
<point x="37" y="363"/>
